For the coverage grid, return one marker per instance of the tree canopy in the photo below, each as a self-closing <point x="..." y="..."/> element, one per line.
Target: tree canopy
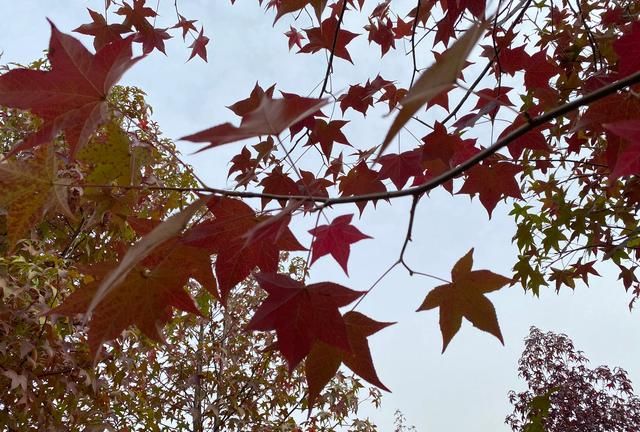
<point x="565" y="394"/>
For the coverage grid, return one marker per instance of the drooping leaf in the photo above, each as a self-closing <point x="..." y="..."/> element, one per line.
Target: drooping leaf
<point x="186" y="25"/>
<point x="465" y="297"/>
<point x="288" y="6"/>
<point x="295" y="37"/>
<point x="71" y="97"/>
<point x="271" y="117"/>
<point x="381" y="32"/>
<point x="323" y="361"/>
<point x="226" y="235"/>
<point x="143" y="248"/>
<point x="302" y="315"/>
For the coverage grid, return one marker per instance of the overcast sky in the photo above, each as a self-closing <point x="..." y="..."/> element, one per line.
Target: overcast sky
<point x="466" y="388"/>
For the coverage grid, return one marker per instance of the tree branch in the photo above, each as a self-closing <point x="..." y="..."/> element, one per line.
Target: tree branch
<point x="433" y="183"/>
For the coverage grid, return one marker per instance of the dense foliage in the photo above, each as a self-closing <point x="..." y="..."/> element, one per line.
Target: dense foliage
<point x="565" y="394"/>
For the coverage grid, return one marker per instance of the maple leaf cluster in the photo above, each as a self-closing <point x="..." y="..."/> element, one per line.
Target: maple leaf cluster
<point x="136" y="18"/>
<point x="563" y="151"/>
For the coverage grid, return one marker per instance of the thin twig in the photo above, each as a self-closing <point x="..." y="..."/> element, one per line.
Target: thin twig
<point x="333" y="48"/>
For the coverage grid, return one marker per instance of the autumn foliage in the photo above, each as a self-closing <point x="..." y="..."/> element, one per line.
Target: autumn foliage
<point x="526" y="103"/>
<point x="564" y="393"/>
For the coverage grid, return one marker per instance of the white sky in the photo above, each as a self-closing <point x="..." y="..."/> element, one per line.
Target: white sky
<point x="466" y="388"/>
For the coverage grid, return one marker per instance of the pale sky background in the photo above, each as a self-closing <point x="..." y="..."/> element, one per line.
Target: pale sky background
<point x="466" y="388"/>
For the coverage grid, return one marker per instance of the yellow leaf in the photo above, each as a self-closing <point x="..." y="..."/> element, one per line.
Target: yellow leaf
<point x="26" y="192"/>
<point x="109" y="157"/>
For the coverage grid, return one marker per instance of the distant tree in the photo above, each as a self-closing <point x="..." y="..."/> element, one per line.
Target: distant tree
<point x="565" y="395"/>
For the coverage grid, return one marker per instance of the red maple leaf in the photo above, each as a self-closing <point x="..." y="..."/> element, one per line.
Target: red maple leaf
<point x="102" y="32"/>
<point x="245" y="106"/>
<point x="335" y="239"/>
<point x="627" y="161"/>
<point x="335" y="168"/>
<point x="492" y="181"/>
<point x="147" y="34"/>
<point x="360" y="98"/>
<point x="71" y="97"/>
<point x="539" y="77"/>
<point x="425" y="11"/>
<point x="295" y="37"/>
<point x="271" y="117"/>
<point x="357" y="97"/>
<point x="311" y="186"/>
<point x="226" y="235"/>
<point x="381" y="10"/>
<point x="491" y="99"/>
<point x="323" y="361"/>
<point x="278" y="183"/>
<point x="403" y="29"/>
<point x="381" y="32"/>
<point x="511" y="60"/>
<point x="143" y="299"/>
<point x="392" y="95"/>
<point x="302" y="315"/>
<point x="361" y="180"/>
<point x="608" y="110"/>
<point x="450" y="149"/>
<point x="136" y="15"/>
<point x="186" y="25"/>
<point x="326" y="134"/>
<point x="628" y="50"/>
<point x="287" y="6"/>
<point x="476" y="7"/>
<point x="245" y="165"/>
<point x="400" y="167"/>
<point x="445" y="29"/>
<point x="199" y="46"/>
<point x="152" y="38"/>
<point x="532" y="140"/>
<point x="323" y="38"/>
